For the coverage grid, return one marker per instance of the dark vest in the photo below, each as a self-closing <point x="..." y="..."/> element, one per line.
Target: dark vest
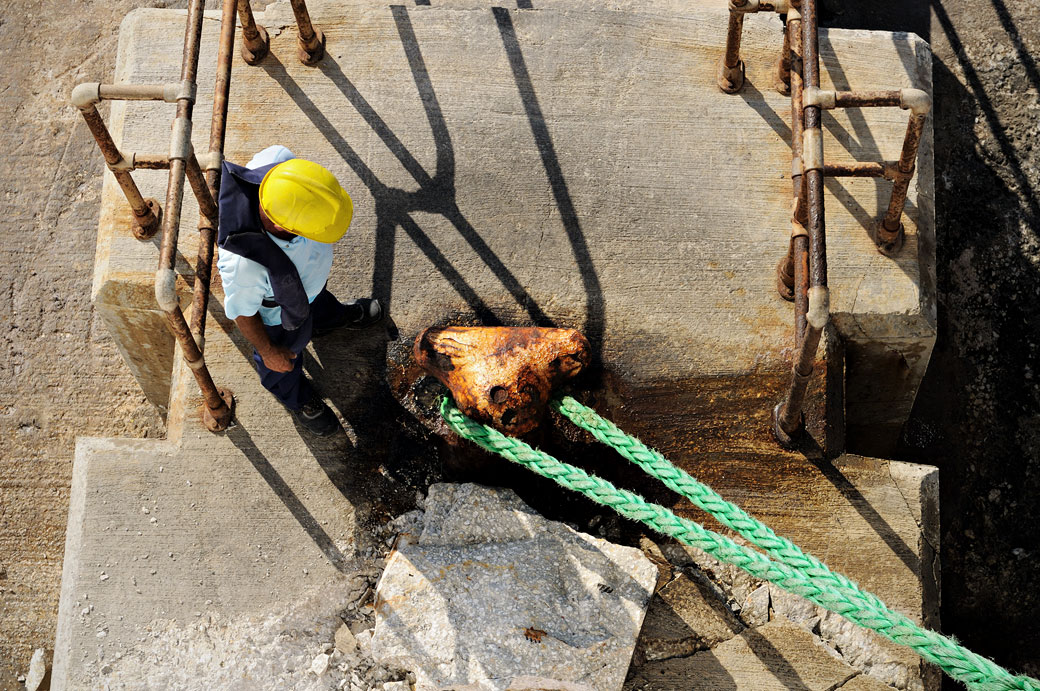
<point x="241" y="232"/>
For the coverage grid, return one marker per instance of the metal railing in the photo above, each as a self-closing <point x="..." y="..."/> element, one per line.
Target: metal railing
<point x="201" y="172"/>
<point x="802" y="272"/>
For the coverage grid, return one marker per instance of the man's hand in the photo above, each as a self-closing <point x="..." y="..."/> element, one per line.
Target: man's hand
<point x="278" y="358"/>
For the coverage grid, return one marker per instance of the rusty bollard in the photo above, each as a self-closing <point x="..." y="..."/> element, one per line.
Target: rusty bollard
<point x="502" y="376"/>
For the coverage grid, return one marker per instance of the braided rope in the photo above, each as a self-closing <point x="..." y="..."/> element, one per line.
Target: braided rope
<point x="805" y="581"/>
<point x="728" y="514"/>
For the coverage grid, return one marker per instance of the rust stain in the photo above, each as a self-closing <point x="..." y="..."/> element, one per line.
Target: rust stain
<point x="534" y="635"/>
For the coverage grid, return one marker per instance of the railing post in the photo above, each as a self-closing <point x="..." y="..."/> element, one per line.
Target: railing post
<point x="216" y="409"/>
<point x="788" y="420"/>
<point x="890" y="233"/>
<point x="218" y="125"/>
<point x="146" y="211"/>
<point x="782" y="79"/>
<point x="255" y="41"/>
<point x="312" y="41"/>
<point x="731" y="68"/>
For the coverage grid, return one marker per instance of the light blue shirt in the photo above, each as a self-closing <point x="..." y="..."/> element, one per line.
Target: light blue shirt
<point x="247" y="283"/>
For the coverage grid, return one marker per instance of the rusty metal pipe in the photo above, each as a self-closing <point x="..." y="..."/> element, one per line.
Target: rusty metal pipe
<point x="730" y="76"/>
<point x="141" y="92"/>
<point x="812" y="148"/>
<point x="788" y="419"/>
<point x="255" y="41"/>
<point x="217" y="130"/>
<point x="150" y="161"/>
<point x="216" y="409"/>
<point x="865" y="99"/>
<point x="800" y="240"/>
<point x="857" y="170"/>
<point x="889" y="237"/>
<point x="218" y="124"/>
<point x="785" y="283"/>
<point x="800" y="244"/>
<point x="311" y="41"/>
<point x="92" y="93"/>
<point x="207" y="203"/>
<point x="782" y="78"/>
<point x="146" y="211"/>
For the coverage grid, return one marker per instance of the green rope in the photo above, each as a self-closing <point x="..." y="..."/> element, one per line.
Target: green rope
<point x="728" y="514"/>
<point x="793" y="571"/>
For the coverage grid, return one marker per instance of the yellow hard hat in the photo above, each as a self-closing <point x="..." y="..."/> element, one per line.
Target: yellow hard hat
<point x="304" y="198"/>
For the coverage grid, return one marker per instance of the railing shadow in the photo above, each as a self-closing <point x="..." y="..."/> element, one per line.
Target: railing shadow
<point x="239" y="436"/>
<point x="866" y="149"/>
<point x="595" y="309"/>
<point x="436" y="194"/>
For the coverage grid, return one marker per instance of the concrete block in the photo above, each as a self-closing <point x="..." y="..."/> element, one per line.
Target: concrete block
<point x="621" y="217"/>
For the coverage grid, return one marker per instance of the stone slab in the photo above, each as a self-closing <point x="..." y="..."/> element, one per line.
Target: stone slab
<point x="491" y="591"/>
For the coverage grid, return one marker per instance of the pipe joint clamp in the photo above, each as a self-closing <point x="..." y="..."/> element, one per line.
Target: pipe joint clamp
<point x="166" y="289"/>
<point x="916" y="101"/>
<point x="86" y="95"/>
<point x="180" y="139"/>
<point x="815" y="96"/>
<point x="819" y="307"/>
<point x="812" y="149"/>
<point x="177" y="91"/>
<point x="125" y="164"/>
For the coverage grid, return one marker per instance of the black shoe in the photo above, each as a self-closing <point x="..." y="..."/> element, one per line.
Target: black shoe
<point x="356" y="314"/>
<point x="317" y="418"/>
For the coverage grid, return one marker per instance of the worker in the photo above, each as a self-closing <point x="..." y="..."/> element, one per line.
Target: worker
<point x="279" y="216"/>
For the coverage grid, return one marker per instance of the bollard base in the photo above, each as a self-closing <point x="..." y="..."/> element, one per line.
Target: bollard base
<point x="787" y="441"/>
<point x="145" y="227"/>
<point x="255" y="51"/>
<point x="220" y="421"/>
<point x="889" y="242"/>
<point x="311" y="52"/>
<point x="730" y="79"/>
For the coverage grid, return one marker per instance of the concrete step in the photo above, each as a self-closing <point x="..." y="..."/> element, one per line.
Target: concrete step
<point x="575" y="167"/>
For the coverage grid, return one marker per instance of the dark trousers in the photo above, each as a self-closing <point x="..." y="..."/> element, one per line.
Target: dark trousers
<point x="292" y="388"/>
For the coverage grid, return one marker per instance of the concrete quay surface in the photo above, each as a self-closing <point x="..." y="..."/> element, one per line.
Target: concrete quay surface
<point x="568" y="166"/>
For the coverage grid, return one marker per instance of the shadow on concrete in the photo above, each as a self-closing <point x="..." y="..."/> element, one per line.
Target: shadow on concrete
<point x="595" y="318"/>
<point x="239" y="436"/>
<point x="436" y="193"/>
<point x="380" y="460"/>
<point x="974" y="416"/>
